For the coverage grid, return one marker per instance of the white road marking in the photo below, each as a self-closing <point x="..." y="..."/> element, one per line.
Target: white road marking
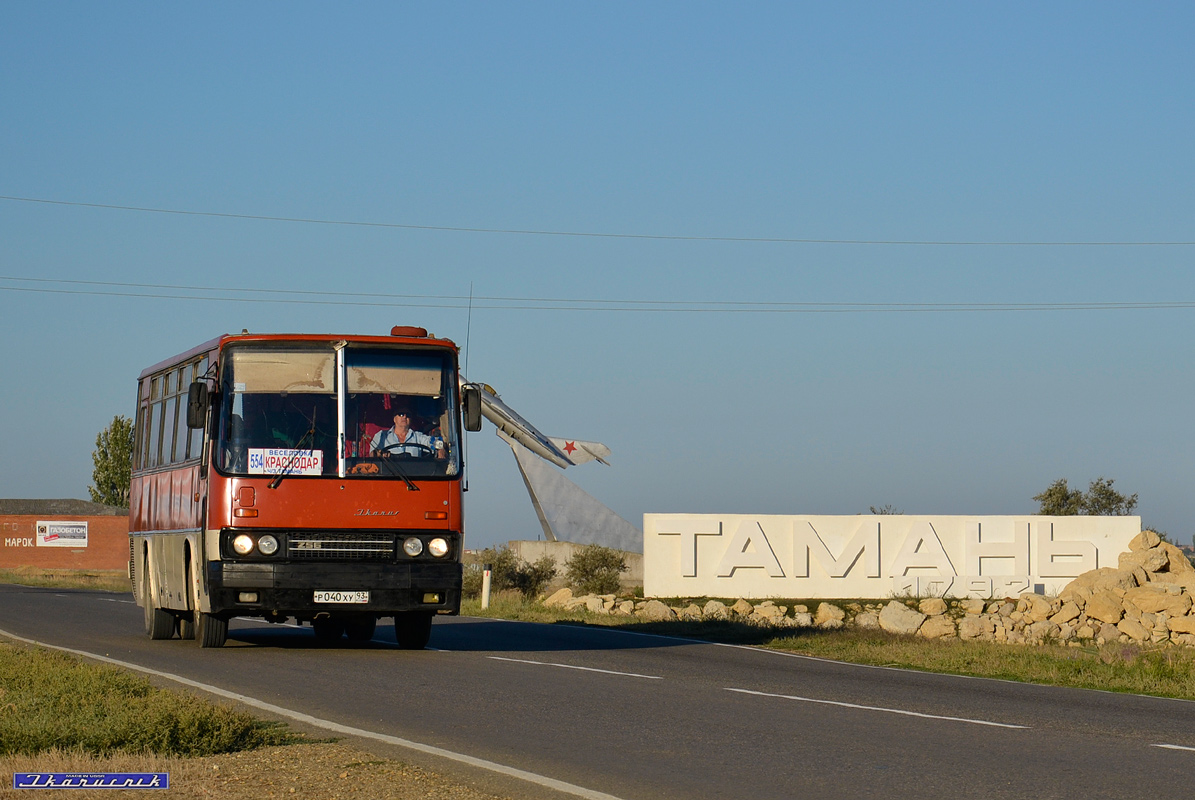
<point x="1173" y="747"/>
<point x="878" y="708"/>
<point x="571" y="666"/>
<point x="298" y="716"/>
<point x="114" y="600"/>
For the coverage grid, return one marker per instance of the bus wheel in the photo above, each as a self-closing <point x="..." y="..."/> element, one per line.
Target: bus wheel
<point x="159" y="623"/>
<point x="360" y="629"/>
<point x="210" y="630"/>
<point x="327" y="631"/>
<point x="412" y="629"/>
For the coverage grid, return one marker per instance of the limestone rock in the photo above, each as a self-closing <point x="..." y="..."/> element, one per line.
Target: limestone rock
<point x="656" y="611"/>
<point x="899" y="618"/>
<point x="1176" y="560"/>
<point x="715" y="609"/>
<point x="932" y="606"/>
<point x="1105" y="606"/>
<point x="1133" y="629"/>
<point x="1144" y="541"/>
<point x="559" y="597"/>
<point x="870" y="619"/>
<point x="1148" y="560"/>
<point x="626" y="608"/>
<point x="767" y="612"/>
<point x="691" y="612"/>
<point x="802" y="619"/>
<point x="1105" y="578"/>
<point x="937" y="627"/>
<point x="742" y="608"/>
<point x="1039" y="607"/>
<point x="595" y="605"/>
<point x="976" y="627"/>
<point x="1154" y="597"/>
<point x="1068" y="612"/>
<point x="829" y="616"/>
<point x="972" y="606"/>
<point x="1181" y="625"/>
<point x="1041" y="631"/>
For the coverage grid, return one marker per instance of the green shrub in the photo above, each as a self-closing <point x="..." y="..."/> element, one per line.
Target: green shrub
<point x="49" y="699"/>
<point x="595" y="569"/>
<point x="507" y="571"/>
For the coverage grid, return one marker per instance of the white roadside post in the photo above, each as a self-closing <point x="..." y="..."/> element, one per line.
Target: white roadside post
<point x="485" y="586"/>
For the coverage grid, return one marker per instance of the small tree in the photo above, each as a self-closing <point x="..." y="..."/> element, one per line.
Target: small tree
<point x="1103" y="501"/>
<point x="1100" y="500"/>
<point x="113" y="458"/>
<point x="887" y="508"/>
<point x="595" y="569"/>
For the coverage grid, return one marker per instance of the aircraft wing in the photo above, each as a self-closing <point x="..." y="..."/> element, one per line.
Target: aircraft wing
<point x="507" y="420"/>
<point x="580" y="452"/>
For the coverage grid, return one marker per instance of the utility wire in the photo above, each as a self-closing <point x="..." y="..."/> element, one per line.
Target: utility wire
<point x="531" y="304"/>
<point x="592" y="234"/>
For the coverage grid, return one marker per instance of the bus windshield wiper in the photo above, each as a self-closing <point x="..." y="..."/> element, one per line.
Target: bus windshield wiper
<point x="410" y="484"/>
<point x="294" y="453"/>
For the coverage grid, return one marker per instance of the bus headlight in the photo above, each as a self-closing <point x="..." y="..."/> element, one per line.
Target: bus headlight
<point x="438" y="547"/>
<point x="268" y="545"/>
<point x="243" y="544"/>
<point x="412" y="547"/>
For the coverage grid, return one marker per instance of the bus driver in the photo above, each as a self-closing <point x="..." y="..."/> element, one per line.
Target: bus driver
<point x="402" y="440"/>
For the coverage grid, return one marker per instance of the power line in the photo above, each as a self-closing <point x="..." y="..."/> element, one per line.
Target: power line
<point x="591" y="234"/>
<point x="454" y="302"/>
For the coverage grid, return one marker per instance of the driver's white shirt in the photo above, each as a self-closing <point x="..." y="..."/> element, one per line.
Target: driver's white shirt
<point x="387" y="441"/>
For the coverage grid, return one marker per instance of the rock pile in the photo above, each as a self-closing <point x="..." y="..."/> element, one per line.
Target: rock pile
<point x="1148" y="598"/>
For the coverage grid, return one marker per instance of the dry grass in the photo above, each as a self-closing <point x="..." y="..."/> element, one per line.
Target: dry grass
<point x="104" y="580"/>
<point x="316" y="771"/>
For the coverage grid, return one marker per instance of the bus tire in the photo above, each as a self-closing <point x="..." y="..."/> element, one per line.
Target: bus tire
<point x="412" y="629"/>
<point x="210" y="630"/>
<point x="360" y="629"/>
<point x="159" y="623"/>
<point x="327" y="631"/>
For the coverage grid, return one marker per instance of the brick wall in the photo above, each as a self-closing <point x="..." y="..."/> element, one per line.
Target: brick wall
<point x="107" y="543"/>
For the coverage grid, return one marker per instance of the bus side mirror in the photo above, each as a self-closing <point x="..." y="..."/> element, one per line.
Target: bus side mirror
<point x="197" y="405"/>
<point x="472" y="403"/>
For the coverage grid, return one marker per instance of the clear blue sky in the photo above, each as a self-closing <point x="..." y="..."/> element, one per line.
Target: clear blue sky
<point x="1069" y="122"/>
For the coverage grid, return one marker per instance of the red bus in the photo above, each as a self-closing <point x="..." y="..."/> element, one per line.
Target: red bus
<point x="306" y="477"/>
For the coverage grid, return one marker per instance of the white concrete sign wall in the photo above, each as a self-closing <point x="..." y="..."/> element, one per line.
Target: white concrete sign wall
<point x="874" y="556"/>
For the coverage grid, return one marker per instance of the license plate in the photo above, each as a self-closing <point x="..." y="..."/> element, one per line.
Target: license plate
<point x="342" y="597"/>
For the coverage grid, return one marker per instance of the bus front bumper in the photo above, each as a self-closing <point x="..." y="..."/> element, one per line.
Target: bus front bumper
<point x="290" y="589"/>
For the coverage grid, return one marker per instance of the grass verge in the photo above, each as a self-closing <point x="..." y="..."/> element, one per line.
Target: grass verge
<point x="1161" y="671"/>
<point x="104" y="580"/>
<point x="54" y="701"/>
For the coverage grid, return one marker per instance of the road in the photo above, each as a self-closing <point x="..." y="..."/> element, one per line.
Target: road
<point x="640" y="717"/>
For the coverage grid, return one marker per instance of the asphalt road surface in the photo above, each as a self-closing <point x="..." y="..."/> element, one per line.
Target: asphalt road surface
<point x="558" y="710"/>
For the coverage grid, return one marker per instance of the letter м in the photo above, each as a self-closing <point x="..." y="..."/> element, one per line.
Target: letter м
<point x="865" y="543"/>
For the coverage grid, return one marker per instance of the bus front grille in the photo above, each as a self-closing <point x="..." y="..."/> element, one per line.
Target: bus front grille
<point x="325" y="545"/>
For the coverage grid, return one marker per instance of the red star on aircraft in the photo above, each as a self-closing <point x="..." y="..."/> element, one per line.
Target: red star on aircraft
<point x="569" y="447"/>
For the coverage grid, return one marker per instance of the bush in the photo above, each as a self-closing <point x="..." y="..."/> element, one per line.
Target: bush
<point x="52" y="700"/>
<point x="595" y="569"/>
<point x="507" y="571"/>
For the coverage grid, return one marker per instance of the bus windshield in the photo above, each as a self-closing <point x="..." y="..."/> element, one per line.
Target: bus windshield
<point x="365" y="412"/>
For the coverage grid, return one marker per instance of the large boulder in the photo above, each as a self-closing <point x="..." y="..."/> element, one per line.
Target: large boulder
<point x="937" y="627"/>
<point x="829" y="616"/>
<point x="1181" y="624"/>
<point x="1105" y="606"/>
<point x="1105" y="578"/>
<point x="1144" y="541"/>
<point x="932" y="606"/>
<point x="656" y="611"/>
<point x="1176" y="560"/>
<point x="899" y="618"/>
<point x="1156" y="597"/>
<point x="1153" y="560"/>
<point x="976" y="627"/>
<point x="559" y="597"/>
